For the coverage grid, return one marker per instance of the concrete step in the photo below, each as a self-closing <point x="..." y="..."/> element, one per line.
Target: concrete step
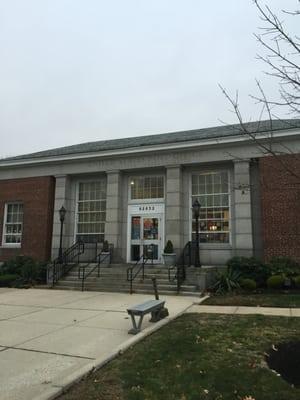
<point x="122" y="267"/>
<point x="139" y="285"/>
<point x="108" y="271"/>
<point x="137" y="291"/>
<point x="113" y="278"/>
<point x="120" y="276"/>
<point x="164" y="282"/>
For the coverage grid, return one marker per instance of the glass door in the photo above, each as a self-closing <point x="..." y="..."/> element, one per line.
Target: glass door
<point x="145" y="237"/>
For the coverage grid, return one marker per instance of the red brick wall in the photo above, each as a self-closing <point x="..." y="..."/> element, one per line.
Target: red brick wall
<point x="37" y="196"/>
<point x="280" y="189"/>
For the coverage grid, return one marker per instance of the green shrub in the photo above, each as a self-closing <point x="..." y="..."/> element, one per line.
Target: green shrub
<point x="41" y="274"/>
<point x="169" y="249"/>
<point x="276" y="281"/>
<point x="284" y="265"/>
<point x="7" y="280"/>
<point x="250" y="268"/>
<point x="29" y="271"/>
<point x="227" y="281"/>
<point x="105" y="246"/>
<point x="296" y="281"/>
<point x="15" y="265"/>
<point x="248" y="284"/>
<point x="26" y="268"/>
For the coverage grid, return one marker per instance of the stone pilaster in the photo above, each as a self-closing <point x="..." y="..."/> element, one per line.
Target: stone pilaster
<point x="243" y="237"/>
<point x="114" y="212"/>
<point x="174" y="210"/>
<point x="62" y="198"/>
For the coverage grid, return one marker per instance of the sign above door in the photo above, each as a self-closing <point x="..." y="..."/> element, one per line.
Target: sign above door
<point x="141" y="209"/>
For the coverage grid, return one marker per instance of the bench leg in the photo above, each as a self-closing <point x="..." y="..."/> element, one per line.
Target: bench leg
<point x="159" y="314"/>
<point x="136" y="327"/>
<point x="155" y="315"/>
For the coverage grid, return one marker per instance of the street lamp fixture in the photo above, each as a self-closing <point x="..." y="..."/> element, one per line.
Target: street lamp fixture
<point x="62" y="214"/>
<point x="196" y="213"/>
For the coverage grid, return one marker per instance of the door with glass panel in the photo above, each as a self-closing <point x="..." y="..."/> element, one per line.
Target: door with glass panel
<point x="145" y="237"/>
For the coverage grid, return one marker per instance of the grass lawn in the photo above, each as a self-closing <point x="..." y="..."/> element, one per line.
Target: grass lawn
<point x="197" y="356"/>
<point x="279" y="299"/>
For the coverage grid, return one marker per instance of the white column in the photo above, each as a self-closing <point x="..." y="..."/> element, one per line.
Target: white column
<point x="243" y="240"/>
<point x="113" y="212"/>
<point x="174" y="224"/>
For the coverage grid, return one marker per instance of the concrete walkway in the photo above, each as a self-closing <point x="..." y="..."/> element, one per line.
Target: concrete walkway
<point x="284" y="312"/>
<point x="50" y="338"/>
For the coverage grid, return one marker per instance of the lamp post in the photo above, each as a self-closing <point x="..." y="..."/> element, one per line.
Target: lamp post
<point x="196" y="211"/>
<point x="62" y="213"/>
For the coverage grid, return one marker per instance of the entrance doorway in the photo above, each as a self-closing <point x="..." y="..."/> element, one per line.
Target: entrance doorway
<point x="145" y="237"/>
<point x="145" y="232"/>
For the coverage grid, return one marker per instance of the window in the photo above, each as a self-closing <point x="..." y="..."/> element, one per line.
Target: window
<point x="212" y="191"/>
<point x="91" y="211"/>
<point x="13" y="224"/>
<point x="147" y="187"/>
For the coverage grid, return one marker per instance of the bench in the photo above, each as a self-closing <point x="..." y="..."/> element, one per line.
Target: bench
<point x="156" y="307"/>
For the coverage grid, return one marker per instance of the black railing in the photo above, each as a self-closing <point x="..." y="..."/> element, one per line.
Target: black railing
<point x="178" y="276"/>
<point x="83" y="273"/>
<point x="186" y="257"/>
<point x="137" y="268"/>
<point x="60" y="267"/>
<point x="179" y="269"/>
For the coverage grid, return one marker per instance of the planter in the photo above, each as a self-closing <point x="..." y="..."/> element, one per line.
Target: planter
<point x="105" y="259"/>
<point x="169" y="259"/>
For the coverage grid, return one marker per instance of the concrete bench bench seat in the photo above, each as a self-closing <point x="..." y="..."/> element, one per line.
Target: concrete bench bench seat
<point x="139" y="310"/>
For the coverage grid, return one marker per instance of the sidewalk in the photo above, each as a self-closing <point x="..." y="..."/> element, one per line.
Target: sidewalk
<point x="275" y="311"/>
<point x="51" y="338"/>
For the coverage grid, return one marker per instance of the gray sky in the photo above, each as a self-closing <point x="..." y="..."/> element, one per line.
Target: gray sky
<point x="73" y="71"/>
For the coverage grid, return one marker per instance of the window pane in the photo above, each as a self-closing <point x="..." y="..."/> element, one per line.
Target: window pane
<point x="209" y="184"/>
<point x="225" y="199"/>
<point x="224" y="182"/>
<point x="217" y="200"/>
<point x="212" y="191"/>
<point x="135" y="228"/>
<point x="160" y="192"/>
<point x="91" y="211"/>
<point x="13" y="223"/>
<point x="214" y="238"/>
<point x="148" y="187"/>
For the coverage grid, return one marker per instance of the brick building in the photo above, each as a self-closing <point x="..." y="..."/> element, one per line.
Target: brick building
<point x="138" y="192"/>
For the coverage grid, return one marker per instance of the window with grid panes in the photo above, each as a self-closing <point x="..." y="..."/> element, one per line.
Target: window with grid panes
<point x="91" y="211"/>
<point x="147" y="187"/>
<point x="13" y="224"/>
<point x="212" y="191"/>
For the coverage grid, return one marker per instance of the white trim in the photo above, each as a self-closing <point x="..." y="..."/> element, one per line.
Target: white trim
<point x="3" y="243"/>
<point x="152" y="148"/>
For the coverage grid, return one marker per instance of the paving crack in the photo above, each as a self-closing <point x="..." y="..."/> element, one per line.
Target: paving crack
<point x="48" y="352"/>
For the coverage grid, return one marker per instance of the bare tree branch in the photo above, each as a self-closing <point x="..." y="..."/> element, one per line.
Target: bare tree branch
<point x="282" y="60"/>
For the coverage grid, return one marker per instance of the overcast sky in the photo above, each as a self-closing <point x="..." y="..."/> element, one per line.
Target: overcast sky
<point x="73" y="71"/>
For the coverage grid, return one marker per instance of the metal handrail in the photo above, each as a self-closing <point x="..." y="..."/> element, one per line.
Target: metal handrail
<point x="130" y="276"/>
<point x="180" y="266"/>
<point x="69" y="255"/>
<point x="82" y="269"/>
<point x="179" y="275"/>
<point x="58" y="267"/>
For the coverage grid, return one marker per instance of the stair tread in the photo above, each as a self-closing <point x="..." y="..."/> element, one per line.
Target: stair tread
<point x="113" y="278"/>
